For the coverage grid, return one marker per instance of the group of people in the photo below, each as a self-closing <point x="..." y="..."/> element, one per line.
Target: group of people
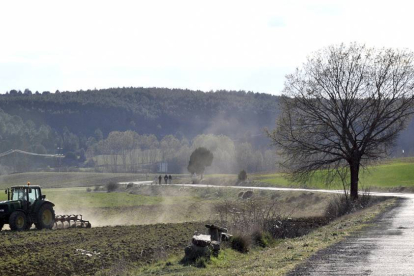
<point x="167" y="179"/>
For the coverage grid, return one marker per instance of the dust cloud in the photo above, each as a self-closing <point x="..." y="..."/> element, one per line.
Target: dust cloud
<point x="170" y="205"/>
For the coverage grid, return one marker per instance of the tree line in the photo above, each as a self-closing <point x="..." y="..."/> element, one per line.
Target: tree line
<point x="131" y="152"/>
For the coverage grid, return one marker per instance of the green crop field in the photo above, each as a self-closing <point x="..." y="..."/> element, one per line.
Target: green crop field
<point x="390" y="174"/>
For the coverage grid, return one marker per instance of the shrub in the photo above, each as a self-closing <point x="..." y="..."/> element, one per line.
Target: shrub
<point x="88" y="190"/>
<point x="198" y="256"/>
<point x="240" y="243"/>
<point x="343" y="205"/>
<point x="246" y="216"/>
<point x="242" y="175"/>
<point x="201" y="262"/>
<point x="262" y="238"/>
<point x="130" y="185"/>
<point x="338" y="206"/>
<point x="111" y="186"/>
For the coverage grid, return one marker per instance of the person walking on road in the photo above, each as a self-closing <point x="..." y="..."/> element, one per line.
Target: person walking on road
<point x="169" y="179"/>
<point x="166" y="179"/>
<point x="159" y="179"/>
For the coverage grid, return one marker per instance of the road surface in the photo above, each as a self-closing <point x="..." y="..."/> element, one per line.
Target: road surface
<point x="386" y="248"/>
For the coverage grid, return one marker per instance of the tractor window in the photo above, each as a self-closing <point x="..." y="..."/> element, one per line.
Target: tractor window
<point x="19" y="194"/>
<point x="33" y="195"/>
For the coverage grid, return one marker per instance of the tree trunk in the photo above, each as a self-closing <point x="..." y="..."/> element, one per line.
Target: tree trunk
<point x="354" y="168"/>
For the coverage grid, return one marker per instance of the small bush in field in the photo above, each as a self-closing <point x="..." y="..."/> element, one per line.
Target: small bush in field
<point x="111" y="186"/>
<point x="242" y="175"/>
<point x="240" y="243"/>
<point x="88" y="190"/>
<point x="262" y="238"/>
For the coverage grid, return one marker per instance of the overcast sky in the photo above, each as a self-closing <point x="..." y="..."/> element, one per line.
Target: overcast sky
<point x="205" y="45"/>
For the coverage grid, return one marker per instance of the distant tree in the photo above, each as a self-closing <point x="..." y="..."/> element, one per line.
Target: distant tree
<point x="242" y="175"/>
<point x="71" y="156"/>
<point x="199" y="160"/>
<point x="70" y="159"/>
<point x="81" y="154"/>
<point x="70" y="140"/>
<point x="345" y="107"/>
<point x="27" y="92"/>
<point x="111" y="187"/>
<point x="40" y="149"/>
<point x="223" y="149"/>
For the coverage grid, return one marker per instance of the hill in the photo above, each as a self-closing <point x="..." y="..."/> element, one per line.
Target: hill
<point x="165" y="125"/>
<point x="158" y="111"/>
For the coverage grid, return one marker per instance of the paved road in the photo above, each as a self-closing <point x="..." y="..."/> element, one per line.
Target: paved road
<point x="387" y="248"/>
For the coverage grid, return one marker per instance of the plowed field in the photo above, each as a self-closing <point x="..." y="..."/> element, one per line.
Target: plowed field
<point x="54" y="252"/>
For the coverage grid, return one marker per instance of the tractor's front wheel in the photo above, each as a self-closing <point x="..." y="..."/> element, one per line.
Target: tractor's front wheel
<point x="45" y="217"/>
<point x="18" y="221"/>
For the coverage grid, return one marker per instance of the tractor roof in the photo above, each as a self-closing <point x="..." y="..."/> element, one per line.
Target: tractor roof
<point x="26" y="186"/>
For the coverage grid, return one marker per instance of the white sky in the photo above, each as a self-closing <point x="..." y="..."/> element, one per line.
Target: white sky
<point x="206" y="45"/>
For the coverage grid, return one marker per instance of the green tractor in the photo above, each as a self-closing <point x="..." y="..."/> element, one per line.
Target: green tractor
<point x="26" y="205"/>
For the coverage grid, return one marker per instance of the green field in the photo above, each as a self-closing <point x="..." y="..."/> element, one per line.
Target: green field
<point x="391" y="174"/>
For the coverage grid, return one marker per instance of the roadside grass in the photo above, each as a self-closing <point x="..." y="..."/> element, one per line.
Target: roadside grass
<point x="276" y="260"/>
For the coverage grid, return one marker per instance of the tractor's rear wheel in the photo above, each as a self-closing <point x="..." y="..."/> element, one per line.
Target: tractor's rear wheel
<point x="1" y="225"/>
<point x="18" y="221"/>
<point x="45" y="217"/>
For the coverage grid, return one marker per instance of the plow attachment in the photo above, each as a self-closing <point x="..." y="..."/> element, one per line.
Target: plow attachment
<point x="71" y="221"/>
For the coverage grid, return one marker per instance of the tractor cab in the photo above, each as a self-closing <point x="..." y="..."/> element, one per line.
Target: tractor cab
<point x="26" y="195"/>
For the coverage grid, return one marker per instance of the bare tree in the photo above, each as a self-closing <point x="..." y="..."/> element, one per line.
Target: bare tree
<point x="344" y="108"/>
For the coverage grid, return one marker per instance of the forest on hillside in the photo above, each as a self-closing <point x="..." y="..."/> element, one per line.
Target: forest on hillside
<point x="158" y="111"/>
<point x="125" y="129"/>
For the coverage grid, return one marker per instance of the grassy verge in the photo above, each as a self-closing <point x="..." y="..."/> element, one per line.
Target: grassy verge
<point x="277" y="260"/>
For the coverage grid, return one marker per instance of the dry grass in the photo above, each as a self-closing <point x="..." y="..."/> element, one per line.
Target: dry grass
<point x="278" y="259"/>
